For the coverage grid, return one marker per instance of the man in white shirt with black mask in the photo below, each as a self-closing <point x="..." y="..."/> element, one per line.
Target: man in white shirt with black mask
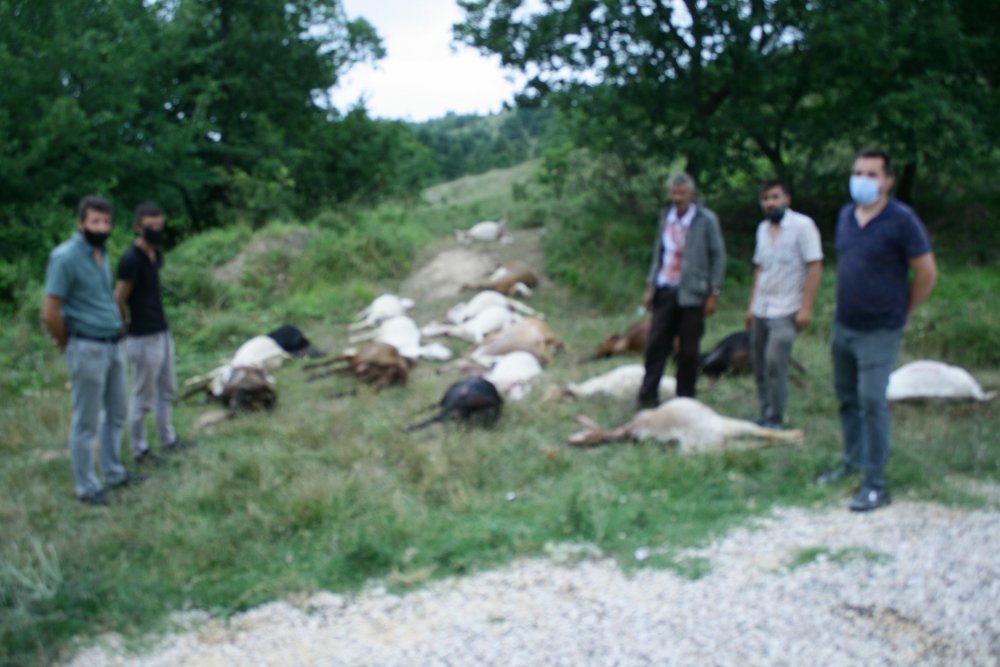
<point x="788" y="262"/>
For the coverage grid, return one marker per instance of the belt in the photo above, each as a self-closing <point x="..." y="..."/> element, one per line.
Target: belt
<point x="97" y="339"/>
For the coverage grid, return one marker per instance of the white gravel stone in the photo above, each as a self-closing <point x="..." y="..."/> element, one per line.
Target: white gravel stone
<point x="910" y="584"/>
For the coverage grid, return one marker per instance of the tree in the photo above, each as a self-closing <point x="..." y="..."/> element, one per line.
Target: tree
<point x="726" y="82"/>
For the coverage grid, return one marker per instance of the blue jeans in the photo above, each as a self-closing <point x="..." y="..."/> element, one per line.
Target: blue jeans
<point x="98" y="376"/>
<point x="862" y="362"/>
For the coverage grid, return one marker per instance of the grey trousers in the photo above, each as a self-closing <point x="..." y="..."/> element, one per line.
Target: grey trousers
<point x="97" y="375"/>
<point x="862" y="362"/>
<point x="771" y="346"/>
<point x="154" y="385"/>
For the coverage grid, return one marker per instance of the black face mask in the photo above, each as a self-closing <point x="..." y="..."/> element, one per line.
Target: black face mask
<point x="96" y="239"/>
<point x="154" y="236"/>
<point x="776" y="215"/>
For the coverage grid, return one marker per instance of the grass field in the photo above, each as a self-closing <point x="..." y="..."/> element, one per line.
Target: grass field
<point x="327" y="493"/>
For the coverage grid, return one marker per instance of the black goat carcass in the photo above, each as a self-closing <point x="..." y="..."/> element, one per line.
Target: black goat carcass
<point x="732" y="355"/>
<point x="473" y="400"/>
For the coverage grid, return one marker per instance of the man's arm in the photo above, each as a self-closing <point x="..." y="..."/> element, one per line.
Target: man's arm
<point x="748" y="318"/>
<point x="53" y="320"/>
<point x="123" y="289"/>
<point x="814" y="272"/>
<point x="717" y="261"/>
<point x="924" y="276"/>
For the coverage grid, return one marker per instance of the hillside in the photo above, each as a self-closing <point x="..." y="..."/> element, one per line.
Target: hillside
<point x="328" y="494"/>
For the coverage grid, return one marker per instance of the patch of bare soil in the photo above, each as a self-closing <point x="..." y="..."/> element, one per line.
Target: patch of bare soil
<point x="445" y="274"/>
<point x="456" y="264"/>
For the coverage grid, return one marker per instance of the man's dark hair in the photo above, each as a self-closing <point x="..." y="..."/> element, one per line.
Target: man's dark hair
<point x="771" y="184"/>
<point x="92" y="203"/>
<point x="877" y="153"/>
<point x="147" y="210"/>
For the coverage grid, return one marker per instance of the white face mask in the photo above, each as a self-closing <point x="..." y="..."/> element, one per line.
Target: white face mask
<point x="864" y="190"/>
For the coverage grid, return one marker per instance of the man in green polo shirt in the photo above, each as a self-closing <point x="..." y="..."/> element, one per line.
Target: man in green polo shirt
<point x="80" y="312"/>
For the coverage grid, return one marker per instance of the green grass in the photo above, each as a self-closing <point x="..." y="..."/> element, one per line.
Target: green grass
<point x="811" y="555"/>
<point x="327" y="493"/>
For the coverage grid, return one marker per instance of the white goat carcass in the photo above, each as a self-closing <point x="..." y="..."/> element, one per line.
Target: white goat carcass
<point x="622" y="383"/>
<point x="530" y="335"/>
<point x="402" y="333"/>
<point x="493" y="318"/>
<point x="924" y="379"/>
<point x="694" y="426"/>
<point x="260" y="352"/>
<point x="487" y="230"/>
<point x="381" y="308"/>
<point x="466" y="310"/>
<point x="513" y="373"/>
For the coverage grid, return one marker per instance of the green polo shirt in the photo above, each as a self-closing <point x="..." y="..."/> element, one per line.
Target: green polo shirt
<point x="88" y="296"/>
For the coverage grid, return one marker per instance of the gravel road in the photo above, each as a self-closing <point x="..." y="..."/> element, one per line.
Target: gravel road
<point x="911" y="584"/>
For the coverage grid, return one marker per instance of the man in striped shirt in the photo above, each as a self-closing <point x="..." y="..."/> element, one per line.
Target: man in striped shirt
<point x="788" y="261"/>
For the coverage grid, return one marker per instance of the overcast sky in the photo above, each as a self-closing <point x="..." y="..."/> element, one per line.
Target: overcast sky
<point x="423" y="75"/>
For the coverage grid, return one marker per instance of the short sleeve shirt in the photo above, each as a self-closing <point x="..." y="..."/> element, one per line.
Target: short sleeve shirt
<point x="145" y="302"/>
<point x="85" y="288"/>
<point x="783" y="264"/>
<point x="873" y="264"/>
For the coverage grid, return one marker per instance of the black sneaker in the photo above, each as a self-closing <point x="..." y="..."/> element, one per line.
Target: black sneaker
<point x="769" y="423"/>
<point x="130" y="479"/>
<point x="147" y="457"/>
<point x="870" y="499"/>
<point x="645" y="404"/>
<point x="99" y="499"/>
<point x="835" y="475"/>
<point x="178" y="444"/>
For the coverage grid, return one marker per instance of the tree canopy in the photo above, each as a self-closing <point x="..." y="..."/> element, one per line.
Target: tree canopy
<point x="724" y="83"/>
<point x="207" y="106"/>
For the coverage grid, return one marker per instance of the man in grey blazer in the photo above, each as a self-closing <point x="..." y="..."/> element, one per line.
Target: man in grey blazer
<point x="685" y="277"/>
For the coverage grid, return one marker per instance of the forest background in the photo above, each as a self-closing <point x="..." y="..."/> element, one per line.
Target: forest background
<point x="221" y="112"/>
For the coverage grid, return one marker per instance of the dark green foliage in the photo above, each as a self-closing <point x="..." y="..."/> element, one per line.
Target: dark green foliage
<point x="465" y="144"/>
<point x="760" y="89"/>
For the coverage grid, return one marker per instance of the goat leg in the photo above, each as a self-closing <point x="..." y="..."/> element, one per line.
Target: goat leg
<point x="324" y="363"/>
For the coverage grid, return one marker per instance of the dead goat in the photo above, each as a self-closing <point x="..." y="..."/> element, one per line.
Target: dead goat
<point x="374" y="363"/>
<point x="692" y="425"/>
<point x="633" y="341"/>
<point x="530" y="334"/>
<point x="472" y="400"/>
<point x="514" y="277"/>
<point x="732" y="355"/>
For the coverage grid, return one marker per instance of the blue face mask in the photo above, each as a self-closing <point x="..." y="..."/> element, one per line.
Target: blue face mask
<point x="864" y="190"/>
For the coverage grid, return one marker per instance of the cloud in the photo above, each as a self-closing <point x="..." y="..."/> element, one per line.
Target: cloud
<point x="423" y="74"/>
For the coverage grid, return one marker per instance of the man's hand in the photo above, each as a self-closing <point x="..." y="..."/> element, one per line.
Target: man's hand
<point x="647" y="299"/>
<point x="710" y="304"/>
<point x="803" y="318"/>
<point x="748" y="319"/>
<point x="53" y="321"/>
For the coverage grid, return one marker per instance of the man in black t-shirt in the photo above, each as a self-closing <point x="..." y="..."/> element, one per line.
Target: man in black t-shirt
<point x="149" y="346"/>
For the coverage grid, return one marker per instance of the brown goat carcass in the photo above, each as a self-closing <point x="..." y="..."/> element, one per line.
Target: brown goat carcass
<point x="633" y="341"/>
<point x="249" y="389"/>
<point x="530" y="335"/>
<point x="514" y="277"/>
<point x="374" y="363"/>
